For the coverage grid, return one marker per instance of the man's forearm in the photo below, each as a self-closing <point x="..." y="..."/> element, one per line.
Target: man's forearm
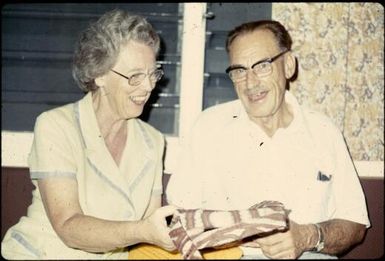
<point x="340" y="235"/>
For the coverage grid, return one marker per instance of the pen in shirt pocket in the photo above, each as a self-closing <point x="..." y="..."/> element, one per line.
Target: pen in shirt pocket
<point x="323" y="177"/>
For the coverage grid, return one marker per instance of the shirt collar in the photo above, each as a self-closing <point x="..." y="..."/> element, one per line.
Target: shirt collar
<point x="87" y="121"/>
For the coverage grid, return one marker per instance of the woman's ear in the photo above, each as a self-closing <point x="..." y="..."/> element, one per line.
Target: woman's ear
<point x="100" y="81"/>
<point x="290" y="65"/>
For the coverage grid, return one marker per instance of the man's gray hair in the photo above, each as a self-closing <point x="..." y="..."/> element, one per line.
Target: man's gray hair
<point x="281" y="35"/>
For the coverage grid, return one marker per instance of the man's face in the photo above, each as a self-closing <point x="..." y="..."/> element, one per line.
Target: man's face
<point x="261" y="95"/>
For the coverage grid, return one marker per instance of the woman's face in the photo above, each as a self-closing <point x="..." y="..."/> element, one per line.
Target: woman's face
<point x="126" y="101"/>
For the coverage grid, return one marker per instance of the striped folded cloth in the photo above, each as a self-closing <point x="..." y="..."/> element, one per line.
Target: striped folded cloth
<point x="195" y="229"/>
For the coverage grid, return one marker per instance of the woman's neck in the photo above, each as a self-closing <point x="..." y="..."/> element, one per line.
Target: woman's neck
<point x="113" y="129"/>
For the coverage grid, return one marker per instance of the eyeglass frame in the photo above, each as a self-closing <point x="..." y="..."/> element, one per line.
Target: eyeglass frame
<point x="268" y="60"/>
<point x="146" y="74"/>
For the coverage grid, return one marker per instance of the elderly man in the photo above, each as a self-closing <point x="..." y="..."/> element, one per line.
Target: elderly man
<point x="265" y="146"/>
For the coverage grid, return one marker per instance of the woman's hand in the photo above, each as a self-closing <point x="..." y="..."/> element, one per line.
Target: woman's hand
<point x="154" y="228"/>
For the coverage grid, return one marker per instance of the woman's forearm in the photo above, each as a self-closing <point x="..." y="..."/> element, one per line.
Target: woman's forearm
<point x="97" y="235"/>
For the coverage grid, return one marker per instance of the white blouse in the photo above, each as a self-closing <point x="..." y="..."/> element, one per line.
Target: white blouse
<point x="68" y="143"/>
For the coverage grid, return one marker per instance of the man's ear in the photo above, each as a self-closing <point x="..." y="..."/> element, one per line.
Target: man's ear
<point x="290" y="65"/>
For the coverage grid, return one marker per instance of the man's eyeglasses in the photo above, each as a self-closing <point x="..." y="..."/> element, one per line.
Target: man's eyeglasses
<point x="237" y="73"/>
<point x="138" y="78"/>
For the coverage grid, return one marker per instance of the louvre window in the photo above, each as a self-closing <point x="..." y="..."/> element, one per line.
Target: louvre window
<point x="222" y="18"/>
<point x="37" y="46"/>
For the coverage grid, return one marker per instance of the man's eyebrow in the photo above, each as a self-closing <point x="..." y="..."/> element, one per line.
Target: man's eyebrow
<point x="235" y="66"/>
<point x="260" y="61"/>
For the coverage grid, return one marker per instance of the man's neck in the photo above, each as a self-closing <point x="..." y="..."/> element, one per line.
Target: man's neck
<point x="280" y="119"/>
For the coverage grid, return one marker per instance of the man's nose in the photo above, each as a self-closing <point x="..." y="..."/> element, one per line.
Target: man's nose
<point x="252" y="80"/>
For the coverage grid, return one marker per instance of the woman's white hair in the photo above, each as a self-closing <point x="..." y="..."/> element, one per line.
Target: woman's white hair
<point x="99" y="45"/>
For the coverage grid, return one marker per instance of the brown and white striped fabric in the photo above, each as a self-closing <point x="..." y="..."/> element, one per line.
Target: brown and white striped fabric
<point x="194" y="229"/>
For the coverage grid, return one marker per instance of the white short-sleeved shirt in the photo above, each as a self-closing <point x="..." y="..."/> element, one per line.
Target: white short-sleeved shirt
<point x="67" y="142"/>
<point x="230" y="163"/>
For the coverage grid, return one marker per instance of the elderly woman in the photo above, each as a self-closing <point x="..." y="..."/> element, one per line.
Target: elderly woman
<point x="96" y="167"/>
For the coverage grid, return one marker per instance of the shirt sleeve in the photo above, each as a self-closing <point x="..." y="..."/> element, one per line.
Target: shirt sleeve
<point x="348" y="193"/>
<point x="50" y="155"/>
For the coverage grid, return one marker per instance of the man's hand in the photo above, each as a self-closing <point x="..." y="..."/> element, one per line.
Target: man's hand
<point x="289" y="244"/>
